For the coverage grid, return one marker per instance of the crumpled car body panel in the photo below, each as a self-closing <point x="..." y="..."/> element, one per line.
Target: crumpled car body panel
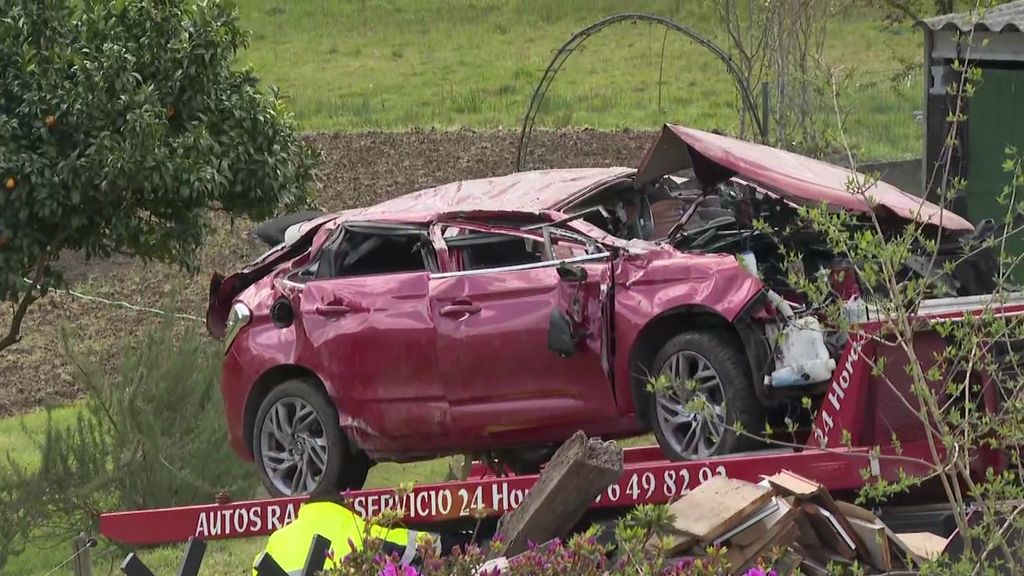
<point x="715" y="158"/>
<point x="446" y="360"/>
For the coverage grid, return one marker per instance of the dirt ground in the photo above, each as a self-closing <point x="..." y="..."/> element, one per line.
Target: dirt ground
<point x="358" y="170"/>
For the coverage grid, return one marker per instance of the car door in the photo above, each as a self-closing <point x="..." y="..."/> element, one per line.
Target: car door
<point x="492" y="311"/>
<point x="370" y="334"/>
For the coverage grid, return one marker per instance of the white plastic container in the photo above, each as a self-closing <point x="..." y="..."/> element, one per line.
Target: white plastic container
<point x="855" y="311"/>
<point x="749" y="261"/>
<point x="801" y="355"/>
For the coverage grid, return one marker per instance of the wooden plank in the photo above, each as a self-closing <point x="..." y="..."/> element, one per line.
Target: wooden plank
<point x="923" y="545"/>
<point x="872" y="534"/>
<point x="854" y="511"/>
<point x="749" y="535"/>
<point x="567" y="486"/>
<point x="788" y="563"/>
<point x="674" y="542"/>
<point x="831" y="534"/>
<point x="808" y="538"/>
<point x="742" y="558"/>
<point x="717" y="506"/>
<point x="787" y="483"/>
<point x="755" y="527"/>
<point x="814" y="567"/>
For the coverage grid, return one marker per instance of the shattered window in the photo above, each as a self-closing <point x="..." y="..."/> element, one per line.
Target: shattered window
<point x="362" y="252"/>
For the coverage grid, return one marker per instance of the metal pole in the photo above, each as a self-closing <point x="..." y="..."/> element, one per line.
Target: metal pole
<point x="192" y="559"/>
<point x="133" y="566"/>
<point x="317" y="556"/>
<point x="267" y="566"/>
<point x="81" y="547"/>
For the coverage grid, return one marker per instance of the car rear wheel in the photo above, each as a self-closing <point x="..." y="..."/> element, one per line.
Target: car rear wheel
<point x="702" y="396"/>
<point x="299" y="446"/>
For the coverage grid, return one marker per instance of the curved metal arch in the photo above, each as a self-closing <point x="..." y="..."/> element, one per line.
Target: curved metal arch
<point x="580" y="37"/>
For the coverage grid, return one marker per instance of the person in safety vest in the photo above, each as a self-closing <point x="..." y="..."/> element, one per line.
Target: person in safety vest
<point x="326" y="515"/>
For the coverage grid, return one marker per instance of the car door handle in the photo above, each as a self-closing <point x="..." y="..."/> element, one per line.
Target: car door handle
<point x="460" y="309"/>
<point x="332" y="309"/>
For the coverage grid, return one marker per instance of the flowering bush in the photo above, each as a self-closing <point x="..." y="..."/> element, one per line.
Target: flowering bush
<point x="631" y="551"/>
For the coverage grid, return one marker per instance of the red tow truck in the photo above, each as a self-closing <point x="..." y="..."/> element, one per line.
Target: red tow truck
<point x="849" y="445"/>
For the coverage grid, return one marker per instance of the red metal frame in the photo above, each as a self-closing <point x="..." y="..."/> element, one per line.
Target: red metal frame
<point x="838" y="454"/>
<point x="651" y="482"/>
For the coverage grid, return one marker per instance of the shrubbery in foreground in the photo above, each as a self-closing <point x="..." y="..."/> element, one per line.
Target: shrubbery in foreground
<point x="592" y="553"/>
<point x="150" y="436"/>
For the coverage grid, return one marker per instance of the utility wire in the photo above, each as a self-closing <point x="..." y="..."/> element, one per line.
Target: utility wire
<point x="90" y="543"/>
<point x="119" y="303"/>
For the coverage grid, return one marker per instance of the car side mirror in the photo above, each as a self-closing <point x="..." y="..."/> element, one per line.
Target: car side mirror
<point x="570" y="273"/>
<point x="561" y="336"/>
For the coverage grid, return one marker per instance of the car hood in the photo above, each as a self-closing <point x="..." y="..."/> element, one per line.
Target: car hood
<point x="715" y="158"/>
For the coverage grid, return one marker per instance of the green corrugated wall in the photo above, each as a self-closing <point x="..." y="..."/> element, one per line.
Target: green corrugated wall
<point x="995" y="120"/>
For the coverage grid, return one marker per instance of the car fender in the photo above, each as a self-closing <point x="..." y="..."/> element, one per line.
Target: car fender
<point x="659" y="293"/>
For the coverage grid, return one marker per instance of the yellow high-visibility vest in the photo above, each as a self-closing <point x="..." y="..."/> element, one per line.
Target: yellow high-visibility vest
<point x="289" y="545"/>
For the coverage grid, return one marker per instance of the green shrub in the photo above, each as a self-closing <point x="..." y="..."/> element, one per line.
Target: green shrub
<point x="150" y="436"/>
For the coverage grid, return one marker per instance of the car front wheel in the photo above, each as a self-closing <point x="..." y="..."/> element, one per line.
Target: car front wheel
<point x="299" y="446"/>
<point x="702" y="397"/>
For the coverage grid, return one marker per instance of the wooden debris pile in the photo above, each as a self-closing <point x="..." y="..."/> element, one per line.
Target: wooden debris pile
<point x="796" y="516"/>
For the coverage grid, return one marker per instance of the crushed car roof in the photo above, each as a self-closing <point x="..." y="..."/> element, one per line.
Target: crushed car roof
<point x="533" y="191"/>
<point x="715" y="158"/>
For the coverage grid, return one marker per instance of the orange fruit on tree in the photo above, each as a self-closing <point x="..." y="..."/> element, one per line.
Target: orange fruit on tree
<point x="51" y="121"/>
<point x="10" y="183"/>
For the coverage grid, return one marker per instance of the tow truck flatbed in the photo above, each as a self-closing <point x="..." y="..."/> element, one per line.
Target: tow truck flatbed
<point x="848" y="446"/>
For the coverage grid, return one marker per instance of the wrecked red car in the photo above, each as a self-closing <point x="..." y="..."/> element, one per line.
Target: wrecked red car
<point x="501" y="315"/>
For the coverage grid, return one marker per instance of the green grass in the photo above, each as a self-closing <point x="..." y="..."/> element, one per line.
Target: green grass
<point x="18" y="436"/>
<point x="236" y="556"/>
<point x="391" y="65"/>
<point x="226" y="557"/>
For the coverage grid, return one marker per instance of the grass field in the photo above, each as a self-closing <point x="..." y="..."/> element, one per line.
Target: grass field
<point x="231" y="557"/>
<point x="226" y="557"/>
<point x="390" y="65"/>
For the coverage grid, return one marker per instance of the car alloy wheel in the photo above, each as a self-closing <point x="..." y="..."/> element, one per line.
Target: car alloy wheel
<point x="293" y="446"/>
<point x="690" y="405"/>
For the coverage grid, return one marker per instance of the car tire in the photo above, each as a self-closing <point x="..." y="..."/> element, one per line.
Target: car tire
<point x="731" y="404"/>
<point x="297" y="431"/>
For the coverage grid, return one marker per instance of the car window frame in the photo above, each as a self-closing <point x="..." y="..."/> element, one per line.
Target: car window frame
<point x="427" y="250"/>
<point x="542" y="234"/>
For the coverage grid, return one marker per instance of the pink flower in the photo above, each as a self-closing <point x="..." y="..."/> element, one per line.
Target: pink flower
<point x="390" y="569"/>
<point x="759" y="571"/>
<point x="684" y="563"/>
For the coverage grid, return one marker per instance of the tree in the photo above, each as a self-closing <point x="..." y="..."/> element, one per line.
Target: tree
<point x="780" y="46"/>
<point x="968" y="396"/>
<point x="122" y="124"/>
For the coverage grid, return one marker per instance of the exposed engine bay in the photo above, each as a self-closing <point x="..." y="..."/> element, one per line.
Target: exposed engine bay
<point x="722" y="219"/>
<point x="800" y="351"/>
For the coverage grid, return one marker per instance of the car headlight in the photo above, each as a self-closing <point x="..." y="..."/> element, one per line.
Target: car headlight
<point x="238" y="318"/>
